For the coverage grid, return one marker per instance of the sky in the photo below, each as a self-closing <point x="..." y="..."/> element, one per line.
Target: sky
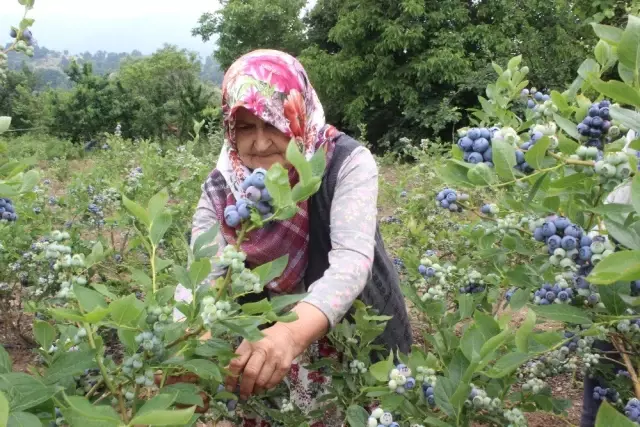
<point x="111" y="25"/>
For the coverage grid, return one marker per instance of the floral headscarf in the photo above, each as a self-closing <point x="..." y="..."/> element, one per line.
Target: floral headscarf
<point x="274" y="87"/>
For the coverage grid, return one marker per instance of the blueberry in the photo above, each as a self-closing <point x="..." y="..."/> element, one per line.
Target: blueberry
<point x="474" y="133"/>
<point x="440" y="196"/>
<point x="537" y="234"/>
<point x="573" y="230"/>
<point x="548" y="229"/>
<point x="563" y="296"/>
<point x="569" y="242"/>
<point x="248" y="182"/>
<point x="530" y="103"/>
<point x="486" y="209"/>
<point x="595" y="133"/>
<point x="480" y="145"/>
<point x="604" y="113"/>
<point x="451" y="197"/>
<point x="488" y="155"/>
<point x="253" y="193"/>
<point x="585" y="241"/>
<point x="13" y="33"/>
<point x="594" y="111"/>
<point x="554" y="242"/>
<point x="525" y="146"/>
<point x="485" y="133"/>
<point x="263" y="207"/>
<point x="422" y="269"/>
<point x="232" y="218"/>
<point x="243" y="211"/>
<point x="475" y="158"/>
<point x="583" y="129"/>
<point x="597" y="122"/>
<point x="538" y="96"/>
<point x="465" y="143"/>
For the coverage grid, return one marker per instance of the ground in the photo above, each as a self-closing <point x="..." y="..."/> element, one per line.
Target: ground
<point x="563" y="386"/>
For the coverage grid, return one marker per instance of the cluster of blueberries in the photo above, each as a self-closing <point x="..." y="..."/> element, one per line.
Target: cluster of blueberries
<point x="256" y="195"/>
<point x="27" y="36"/>
<point x="537" y="96"/>
<point x="609" y="394"/>
<point x="597" y="124"/>
<point x="632" y="410"/>
<point x="472" y="288"/>
<point x="548" y="294"/>
<point x="448" y="197"/>
<point x="7" y="211"/>
<point x="560" y="232"/>
<point x="476" y="145"/>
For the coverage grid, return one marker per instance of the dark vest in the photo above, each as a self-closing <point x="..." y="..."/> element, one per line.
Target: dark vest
<point x="382" y="291"/>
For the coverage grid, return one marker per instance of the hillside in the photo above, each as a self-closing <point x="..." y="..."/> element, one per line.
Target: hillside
<point x="49" y="65"/>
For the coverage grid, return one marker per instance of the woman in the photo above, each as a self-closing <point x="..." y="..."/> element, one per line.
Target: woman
<point x="335" y="250"/>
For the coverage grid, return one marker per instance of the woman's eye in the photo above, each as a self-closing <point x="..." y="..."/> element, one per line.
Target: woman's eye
<point x="243" y="126"/>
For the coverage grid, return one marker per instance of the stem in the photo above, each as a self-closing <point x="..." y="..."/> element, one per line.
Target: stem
<point x="153" y="269"/>
<point x="94" y="388"/>
<point x="572" y="161"/>
<point x="627" y="361"/>
<point x="135" y="399"/>
<point x="123" y="408"/>
<point x="103" y="369"/>
<point x="593" y="215"/>
<point x="185" y="337"/>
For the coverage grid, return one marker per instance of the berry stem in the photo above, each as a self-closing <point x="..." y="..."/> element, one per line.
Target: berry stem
<point x="94" y="388"/>
<point x="590" y="163"/>
<point x="100" y="362"/>
<point x="615" y="340"/>
<point x="153" y="268"/>
<point x="185" y="337"/>
<point x="596" y="203"/>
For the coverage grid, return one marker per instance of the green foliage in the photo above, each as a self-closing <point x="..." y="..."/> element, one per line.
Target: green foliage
<point x="241" y="26"/>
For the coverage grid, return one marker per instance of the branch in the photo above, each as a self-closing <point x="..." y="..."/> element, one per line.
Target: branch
<point x="615" y="340"/>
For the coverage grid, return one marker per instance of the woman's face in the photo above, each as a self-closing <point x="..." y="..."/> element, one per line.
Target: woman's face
<point x="259" y="144"/>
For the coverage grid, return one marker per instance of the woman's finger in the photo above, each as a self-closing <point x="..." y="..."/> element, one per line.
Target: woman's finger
<point x="269" y="367"/>
<point x="237" y="365"/>
<point x="281" y="371"/>
<point x="251" y="372"/>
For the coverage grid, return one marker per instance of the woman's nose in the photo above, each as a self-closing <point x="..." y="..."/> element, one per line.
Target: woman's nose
<point x="262" y="141"/>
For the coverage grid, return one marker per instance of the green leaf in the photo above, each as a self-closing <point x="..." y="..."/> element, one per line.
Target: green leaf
<point x="128" y="338"/>
<point x="566" y="145"/>
<point x="160" y="401"/>
<point x="588" y="68"/>
<point x="296" y="158"/>
<point x="537" y="153"/>
<point x="466" y="304"/>
<point x="443" y="391"/>
<point x="271" y="270"/>
<point x="104" y="413"/>
<point x="618" y="91"/>
<point x="159" y="227"/>
<point x="102" y="289"/>
<point x="251" y="308"/>
<point x="318" y="162"/>
<point x="88" y="299"/>
<point x="125" y="311"/>
<point x="619" y="266"/>
<point x="302" y="191"/>
<point x="519" y="299"/>
<point x="63" y="314"/>
<point x="5" y="122"/>
<point x="481" y="174"/>
<point x="507" y="364"/>
<point x="24" y="391"/>
<point x="604" y="54"/>
<point x="5" y="361"/>
<point x="29" y="180"/>
<point x="198" y="271"/>
<point x="136" y="210"/>
<point x="627" y="117"/>
<point x="205" y="239"/>
<point x="141" y="277"/>
<point x="70" y="364"/>
<point x="205" y="369"/>
<point x="157" y="203"/>
<point x="380" y="370"/>
<point x="559" y="100"/>
<point x="610" y="297"/>
<point x="524" y="331"/>
<point x="44" y="334"/>
<point x="504" y="159"/>
<point x="566" y="125"/>
<point x="277" y="182"/>
<point x="607" y="33"/>
<point x="563" y="313"/>
<point x="97" y="255"/>
<point x="635" y="193"/>
<point x="280" y="302"/>
<point x="629" y="45"/>
<point x="608" y="416"/>
<point x="471" y="343"/>
<point x="165" y="417"/>
<point x="96" y="315"/>
<point x="22" y="419"/>
<point x="4" y="410"/>
<point x="357" y="416"/>
<point x="185" y="394"/>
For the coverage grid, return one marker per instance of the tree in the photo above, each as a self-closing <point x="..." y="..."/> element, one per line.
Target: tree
<point x="244" y="25"/>
<point x="166" y="90"/>
<point x="408" y="68"/>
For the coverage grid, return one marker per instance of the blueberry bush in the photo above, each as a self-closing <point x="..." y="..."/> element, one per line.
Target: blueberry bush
<point x="534" y="212"/>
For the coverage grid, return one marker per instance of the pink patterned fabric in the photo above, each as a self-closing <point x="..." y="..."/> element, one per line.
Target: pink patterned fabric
<point x="274" y="87"/>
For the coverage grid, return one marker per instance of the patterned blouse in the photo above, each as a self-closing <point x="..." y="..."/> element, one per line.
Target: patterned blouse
<point x="353" y="227"/>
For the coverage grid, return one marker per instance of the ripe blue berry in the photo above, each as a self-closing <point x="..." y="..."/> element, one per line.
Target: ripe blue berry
<point x="475" y="158"/>
<point x="548" y="229"/>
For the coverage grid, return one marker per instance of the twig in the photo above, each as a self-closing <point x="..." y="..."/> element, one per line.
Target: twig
<point x="615" y="340"/>
<point x="94" y="388"/>
<point x="185" y="337"/>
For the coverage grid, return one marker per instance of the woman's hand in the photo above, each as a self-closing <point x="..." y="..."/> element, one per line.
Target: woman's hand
<point x="263" y="364"/>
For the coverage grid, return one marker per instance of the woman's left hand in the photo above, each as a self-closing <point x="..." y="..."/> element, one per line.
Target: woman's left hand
<point x="263" y="364"/>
